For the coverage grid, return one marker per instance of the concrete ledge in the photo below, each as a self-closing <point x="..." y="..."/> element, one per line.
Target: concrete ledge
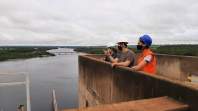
<point x="154" y="104"/>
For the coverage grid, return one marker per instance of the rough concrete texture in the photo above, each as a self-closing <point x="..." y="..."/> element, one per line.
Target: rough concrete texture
<point x="172" y="66"/>
<point x="177" y="67"/>
<point x="154" y="104"/>
<point x="99" y="83"/>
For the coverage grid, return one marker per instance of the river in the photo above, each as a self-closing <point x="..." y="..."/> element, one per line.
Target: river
<point x="59" y="72"/>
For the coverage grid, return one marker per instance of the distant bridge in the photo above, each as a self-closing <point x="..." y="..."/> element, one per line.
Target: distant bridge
<point x="63" y="53"/>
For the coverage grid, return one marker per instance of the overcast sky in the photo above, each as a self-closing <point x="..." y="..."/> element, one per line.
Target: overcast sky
<point x="97" y="22"/>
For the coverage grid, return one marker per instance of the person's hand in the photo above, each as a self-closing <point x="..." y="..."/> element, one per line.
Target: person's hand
<point x="110" y="53"/>
<point x="105" y="52"/>
<point x="113" y="65"/>
<point x="134" y="68"/>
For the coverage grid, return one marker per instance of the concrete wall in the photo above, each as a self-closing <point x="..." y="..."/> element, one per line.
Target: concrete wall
<point x="172" y="66"/>
<point x="177" y="67"/>
<point x="99" y="83"/>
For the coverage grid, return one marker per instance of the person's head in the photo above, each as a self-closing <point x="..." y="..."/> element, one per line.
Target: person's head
<point x="110" y="45"/>
<point x="110" y="48"/>
<point x="122" y="43"/>
<point x="144" y="42"/>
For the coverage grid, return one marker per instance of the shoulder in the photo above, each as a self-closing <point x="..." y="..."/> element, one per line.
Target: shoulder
<point x="148" y="58"/>
<point x="131" y="52"/>
<point x="148" y="52"/>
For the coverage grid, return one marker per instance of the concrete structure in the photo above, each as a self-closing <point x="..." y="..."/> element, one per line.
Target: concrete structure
<point x="100" y="84"/>
<point x="177" y="67"/>
<point x="154" y="104"/>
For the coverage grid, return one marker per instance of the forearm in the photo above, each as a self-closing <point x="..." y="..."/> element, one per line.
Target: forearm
<point x="125" y="64"/>
<point x="139" y="66"/>
<point x="113" y="60"/>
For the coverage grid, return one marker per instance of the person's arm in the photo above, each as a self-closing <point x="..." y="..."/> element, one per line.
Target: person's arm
<point x="113" y="60"/>
<point x="143" y="63"/>
<point x="107" y="55"/>
<point x="139" y="66"/>
<point x="125" y="64"/>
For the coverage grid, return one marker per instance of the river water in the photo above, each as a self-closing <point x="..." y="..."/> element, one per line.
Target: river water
<point x="59" y="72"/>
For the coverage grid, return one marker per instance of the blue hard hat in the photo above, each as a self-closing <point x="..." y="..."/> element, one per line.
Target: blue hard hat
<point x="146" y="39"/>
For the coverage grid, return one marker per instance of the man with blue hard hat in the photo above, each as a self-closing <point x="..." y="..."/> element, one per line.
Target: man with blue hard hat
<point x="146" y="61"/>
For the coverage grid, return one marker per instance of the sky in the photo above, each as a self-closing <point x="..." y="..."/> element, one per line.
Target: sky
<point x="97" y="22"/>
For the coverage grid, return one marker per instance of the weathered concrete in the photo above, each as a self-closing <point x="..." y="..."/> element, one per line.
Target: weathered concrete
<point x="99" y="84"/>
<point x="173" y="66"/>
<point x="154" y="104"/>
<point x="177" y="67"/>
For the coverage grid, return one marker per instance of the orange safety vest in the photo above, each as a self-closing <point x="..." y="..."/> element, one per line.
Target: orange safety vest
<point x="151" y="66"/>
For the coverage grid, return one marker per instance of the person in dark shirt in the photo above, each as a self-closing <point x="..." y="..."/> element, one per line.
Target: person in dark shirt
<point x="125" y="57"/>
<point x="110" y="52"/>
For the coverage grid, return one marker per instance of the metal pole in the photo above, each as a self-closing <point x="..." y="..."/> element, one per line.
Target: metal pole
<point x="28" y="92"/>
<point x="12" y="84"/>
<point x="55" y="105"/>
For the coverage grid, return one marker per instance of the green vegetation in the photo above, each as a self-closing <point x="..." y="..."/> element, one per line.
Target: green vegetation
<point x="22" y="53"/>
<point x="99" y="49"/>
<point x="186" y="50"/>
<point x="90" y="50"/>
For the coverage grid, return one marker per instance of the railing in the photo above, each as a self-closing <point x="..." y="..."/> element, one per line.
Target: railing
<point x="54" y="101"/>
<point x="26" y="83"/>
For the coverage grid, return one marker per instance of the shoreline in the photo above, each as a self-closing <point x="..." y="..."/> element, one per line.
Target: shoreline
<point x="7" y="54"/>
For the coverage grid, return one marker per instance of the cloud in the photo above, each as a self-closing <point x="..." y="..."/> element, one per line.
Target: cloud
<point x="97" y="22"/>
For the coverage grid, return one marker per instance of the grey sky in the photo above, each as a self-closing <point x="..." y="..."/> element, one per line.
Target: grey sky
<point x="97" y="22"/>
